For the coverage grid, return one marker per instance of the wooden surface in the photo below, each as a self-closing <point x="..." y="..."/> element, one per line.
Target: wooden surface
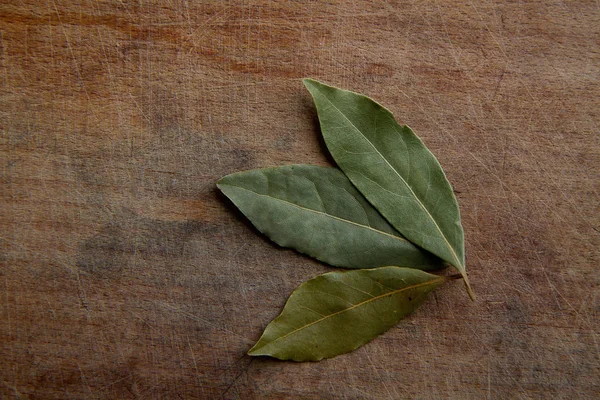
<point x="125" y="274"/>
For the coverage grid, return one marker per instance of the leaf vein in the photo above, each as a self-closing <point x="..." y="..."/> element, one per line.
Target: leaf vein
<point x="322" y="213"/>
<point x="396" y="291"/>
<point x="400" y="176"/>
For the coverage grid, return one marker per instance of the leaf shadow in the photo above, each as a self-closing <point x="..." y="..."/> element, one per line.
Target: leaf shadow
<point x="239" y="216"/>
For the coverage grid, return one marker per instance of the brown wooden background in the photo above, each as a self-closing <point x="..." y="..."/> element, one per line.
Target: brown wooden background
<point x="125" y="274"/>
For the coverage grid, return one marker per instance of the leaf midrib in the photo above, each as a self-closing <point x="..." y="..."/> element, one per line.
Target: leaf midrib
<point x="459" y="264"/>
<point x="321" y="213"/>
<point x="441" y="278"/>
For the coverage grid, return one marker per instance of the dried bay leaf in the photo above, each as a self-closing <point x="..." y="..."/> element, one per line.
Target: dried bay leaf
<point x="393" y="169"/>
<point x="317" y="211"/>
<point x="339" y="311"/>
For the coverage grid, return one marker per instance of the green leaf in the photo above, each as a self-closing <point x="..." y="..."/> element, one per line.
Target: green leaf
<point x="339" y="311"/>
<point x="317" y="211"/>
<point x="393" y="169"/>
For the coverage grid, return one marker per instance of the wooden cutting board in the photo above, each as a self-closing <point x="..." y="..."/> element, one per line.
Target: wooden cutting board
<point x="125" y="274"/>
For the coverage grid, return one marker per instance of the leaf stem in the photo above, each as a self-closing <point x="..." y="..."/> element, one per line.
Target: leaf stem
<point x="467" y="285"/>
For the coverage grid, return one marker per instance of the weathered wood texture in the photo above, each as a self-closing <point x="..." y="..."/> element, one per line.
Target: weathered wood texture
<point x="126" y="275"/>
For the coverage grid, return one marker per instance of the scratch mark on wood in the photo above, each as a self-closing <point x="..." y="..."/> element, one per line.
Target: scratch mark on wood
<point x="381" y="379"/>
<point x="238" y="376"/>
<point x="205" y="321"/>
<point x="198" y="375"/>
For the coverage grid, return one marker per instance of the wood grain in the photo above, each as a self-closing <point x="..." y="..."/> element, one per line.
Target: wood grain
<point x="126" y="275"/>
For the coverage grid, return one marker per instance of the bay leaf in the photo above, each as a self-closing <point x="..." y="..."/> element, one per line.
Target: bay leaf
<point x="337" y="312"/>
<point x="393" y="169"/>
<point x="317" y="211"/>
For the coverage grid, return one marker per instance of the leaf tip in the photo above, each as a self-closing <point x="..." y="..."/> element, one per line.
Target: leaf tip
<point x="222" y="182"/>
<point x="312" y="84"/>
<point x="252" y="353"/>
<point x="308" y="83"/>
<point x="255" y="350"/>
